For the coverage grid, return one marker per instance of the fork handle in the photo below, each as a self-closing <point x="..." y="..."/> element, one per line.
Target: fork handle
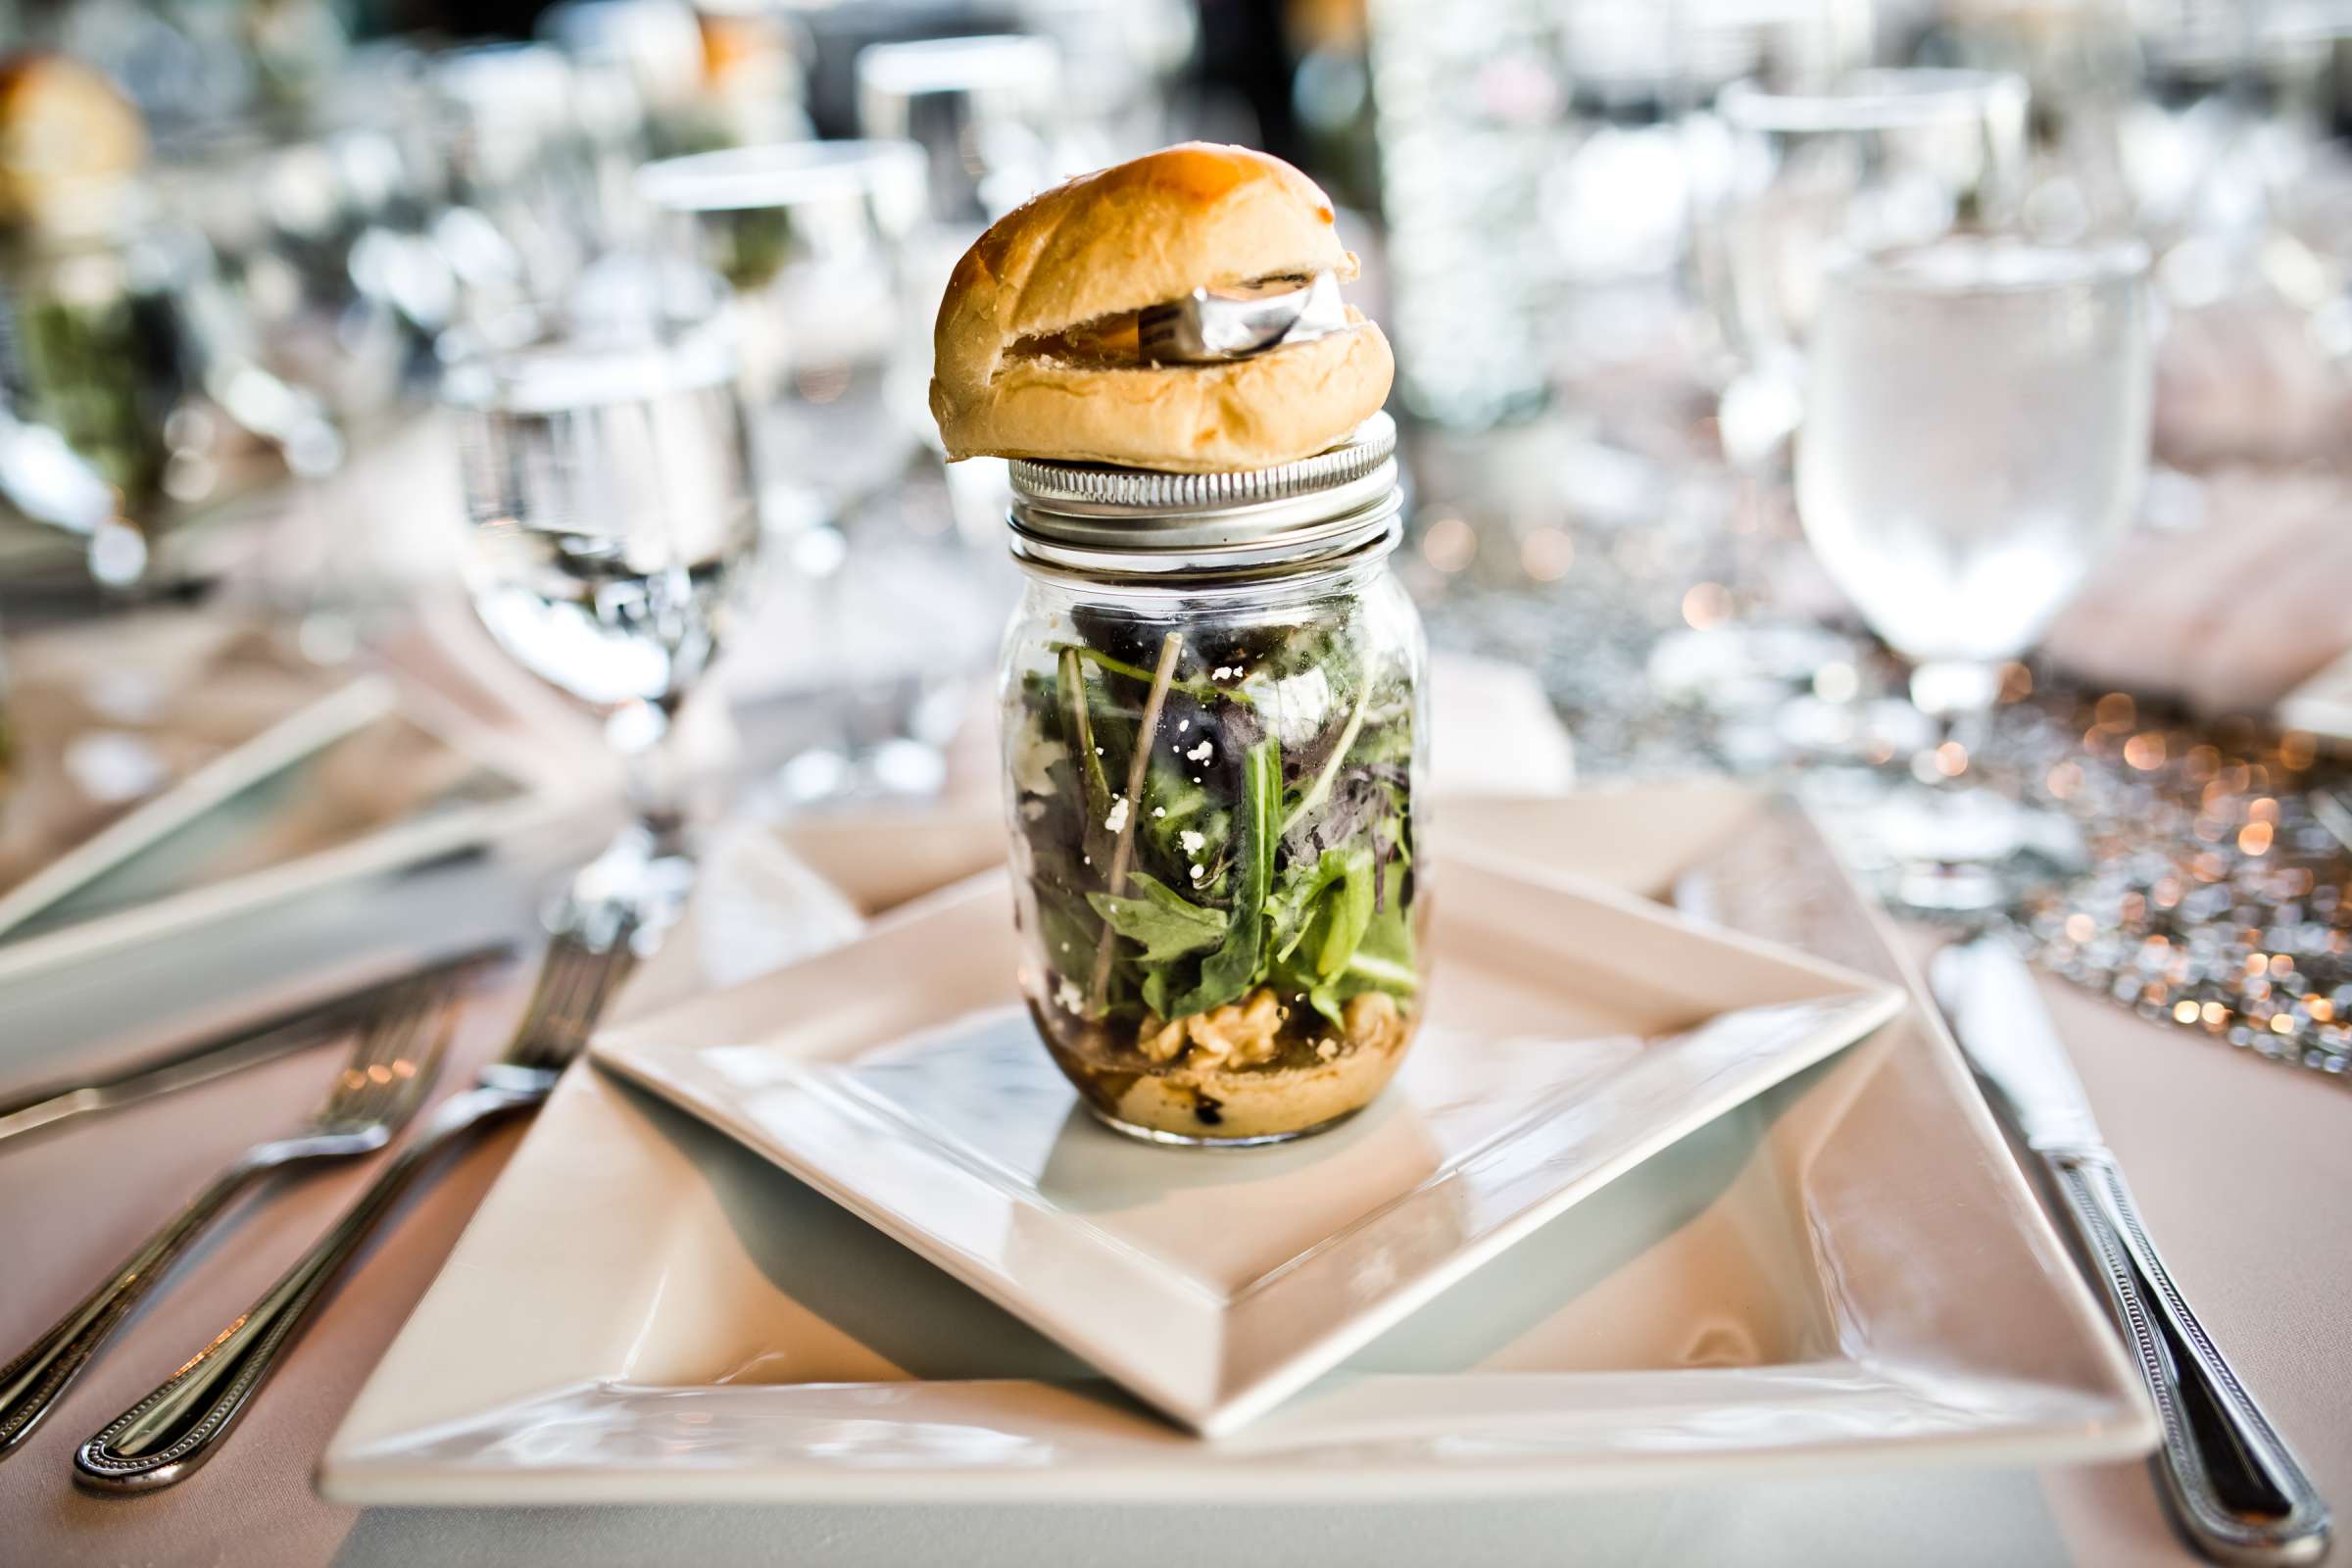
<point x="169" y="1434"/>
<point x="2235" y="1488"/>
<point x="32" y="1382"/>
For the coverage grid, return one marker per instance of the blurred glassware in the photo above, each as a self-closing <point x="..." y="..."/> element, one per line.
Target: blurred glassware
<point x="611" y="524"/>
<point x="811" y="237"/>
<point x="537" y="157"/>
<point x="990" y="114"/>
<point x="1537" y="195"/>
<point x="1119" y="60"/>
<point x="754" y="72"/>
<point x="135" y="388"/>
<point x="655" y="48"/>
<point x="2083" y="68"/>
<point x="1976" y="436"/>
<point x="1468" y="100"/>
<point x="283" y="216"/>
<point x="1883" y="158"/>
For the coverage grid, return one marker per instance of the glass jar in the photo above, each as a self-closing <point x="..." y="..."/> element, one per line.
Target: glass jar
<point x="1215" y="751"/>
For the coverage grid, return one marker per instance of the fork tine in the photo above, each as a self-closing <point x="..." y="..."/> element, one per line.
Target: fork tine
<point x="386" y="1046"/>
<point x="391" y="1023"/>
<point x="577" y="982"/>
<point x="409" y="1075"/>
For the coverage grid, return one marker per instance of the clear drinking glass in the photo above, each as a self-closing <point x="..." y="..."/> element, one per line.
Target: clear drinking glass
<point x="1883" y="158"/>
<point x="611" y="520"/>
<point x="881" y="633"/>
<point x="1976" y="434"/>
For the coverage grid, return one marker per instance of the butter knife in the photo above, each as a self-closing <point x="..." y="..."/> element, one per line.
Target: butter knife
<point x="2236" y="1489"/>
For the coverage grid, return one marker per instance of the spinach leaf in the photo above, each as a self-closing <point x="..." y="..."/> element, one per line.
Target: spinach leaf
<point x="1240" y="961"/>
<point x="1167" y="926"/>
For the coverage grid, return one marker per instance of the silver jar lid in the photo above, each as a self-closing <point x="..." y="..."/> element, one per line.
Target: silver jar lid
<point x="1095" y="517"/>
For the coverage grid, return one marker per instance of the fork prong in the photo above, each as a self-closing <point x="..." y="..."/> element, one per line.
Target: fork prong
<point x="387" y="1060"/>
<point x="575" y="984"/>
<point x="409" y="1073"/>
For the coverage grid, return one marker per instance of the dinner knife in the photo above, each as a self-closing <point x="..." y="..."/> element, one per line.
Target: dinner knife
<point x="2236" y="1489"/>
<point x="214" y="1056"/>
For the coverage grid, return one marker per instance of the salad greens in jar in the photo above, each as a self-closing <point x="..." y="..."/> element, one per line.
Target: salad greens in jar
<point x="1216" y="846"/>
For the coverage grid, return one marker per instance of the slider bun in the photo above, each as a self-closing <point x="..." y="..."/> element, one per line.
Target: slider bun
<point x="1111" y="243"/>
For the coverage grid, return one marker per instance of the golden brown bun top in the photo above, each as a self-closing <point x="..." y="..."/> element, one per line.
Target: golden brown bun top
<point x="1137" y="235"/>
<point x="1143" y="232"/>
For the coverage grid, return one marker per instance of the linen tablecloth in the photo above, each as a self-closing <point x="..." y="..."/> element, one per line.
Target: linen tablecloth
<point x="2242" y="1168"/>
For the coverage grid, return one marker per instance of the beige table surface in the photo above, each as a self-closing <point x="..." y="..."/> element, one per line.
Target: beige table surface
<point x="2244" y="1169"/>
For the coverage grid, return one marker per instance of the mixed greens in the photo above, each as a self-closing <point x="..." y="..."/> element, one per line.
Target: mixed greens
<point x="1264" y="842"/>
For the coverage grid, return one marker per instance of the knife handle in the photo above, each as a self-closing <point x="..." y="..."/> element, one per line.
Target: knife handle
<point x="2236" y="1489"/>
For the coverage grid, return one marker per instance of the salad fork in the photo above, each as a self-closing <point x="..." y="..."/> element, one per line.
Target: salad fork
<point x="389" y="1070"/>
<point x="169" y="1434"/>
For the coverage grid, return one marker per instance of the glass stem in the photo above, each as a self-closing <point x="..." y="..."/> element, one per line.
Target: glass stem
<point x="1959" y="696"/>
<point x="644" y="733"/>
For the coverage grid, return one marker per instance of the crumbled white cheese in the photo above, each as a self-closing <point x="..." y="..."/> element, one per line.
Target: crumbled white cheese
<point x="1116" y="820"/>
<point x="1034" y="757"/>
<point x="1031" y="810"/>
<point x="1182" y="724"/>
<point x="1220" y="672"/>
<point x="1191" y="841"/>
<point x="1202" y="753"/>
<point x="1159" y="810"/>
<point x="1297" y="707"/>
<point x="1068" y="997"/>
<point x="1199" y="871"/>
<point x="1326" y="1048"/>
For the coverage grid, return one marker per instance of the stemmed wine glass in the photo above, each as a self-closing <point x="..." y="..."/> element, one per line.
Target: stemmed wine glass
<point x="1881" y="159"/>
<point x="1977" y="417"/>
<point x="879" y="637"/>
<point x="1784" y="177"/>
<point x="611" y="518"/>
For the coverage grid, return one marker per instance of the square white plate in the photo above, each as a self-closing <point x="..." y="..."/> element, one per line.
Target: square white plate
<point x="1573" y="1032"/>
<point x="1843" y="1272"/>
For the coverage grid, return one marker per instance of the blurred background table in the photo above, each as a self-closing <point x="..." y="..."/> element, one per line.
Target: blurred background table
<point x="229" y="297"/>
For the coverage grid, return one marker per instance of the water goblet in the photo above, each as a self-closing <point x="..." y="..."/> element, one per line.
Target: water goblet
<point x="1881" y="159"/>
<point x="871" y="640"/>
<point x="609" y="523"/>
<point x="1975" y="435"/>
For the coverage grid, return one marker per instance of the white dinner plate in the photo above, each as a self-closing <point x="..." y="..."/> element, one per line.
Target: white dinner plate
<point x="1573" y="1032"/>
<point x="1845" y="1270"/>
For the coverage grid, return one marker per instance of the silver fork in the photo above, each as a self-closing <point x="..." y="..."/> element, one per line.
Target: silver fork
<point x="390" y="1067"/>
<point x="165" y="1436"/>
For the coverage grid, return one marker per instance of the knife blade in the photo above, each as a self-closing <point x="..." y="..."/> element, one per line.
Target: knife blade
<point x="213" y="1055"/>
<point x="2236" y="1490"/>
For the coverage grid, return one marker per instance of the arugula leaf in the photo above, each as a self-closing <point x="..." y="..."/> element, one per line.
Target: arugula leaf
<point x="1349" y="912"/>
<point x="1240" y="961"/>
<point x="1291" y="910"/>
<point x="1162" y="920"/>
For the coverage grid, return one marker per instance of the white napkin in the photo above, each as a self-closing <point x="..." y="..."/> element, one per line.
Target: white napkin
<point x="2231" y="614"/>
<point x="2243" y="382"/>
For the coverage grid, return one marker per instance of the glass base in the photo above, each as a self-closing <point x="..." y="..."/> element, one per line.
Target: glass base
<point x="644" y="878"/>
<point x="1944" y="851"/>
<point x="1152" y="1135"/>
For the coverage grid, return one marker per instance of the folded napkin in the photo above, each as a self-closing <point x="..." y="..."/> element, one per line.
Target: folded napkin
<point x="2231" y="614"/>
<point x="2245" y="381"/>
<point x="109" y="715"/>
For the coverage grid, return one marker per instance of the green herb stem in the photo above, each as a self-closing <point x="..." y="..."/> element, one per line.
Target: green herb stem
<point x="1120" y="667"/>
<point x="1146" y="735"/>
<point x="1320" y="789"/>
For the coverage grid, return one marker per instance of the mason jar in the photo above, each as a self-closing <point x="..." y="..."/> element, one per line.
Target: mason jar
<point x="1214" y="753"/>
